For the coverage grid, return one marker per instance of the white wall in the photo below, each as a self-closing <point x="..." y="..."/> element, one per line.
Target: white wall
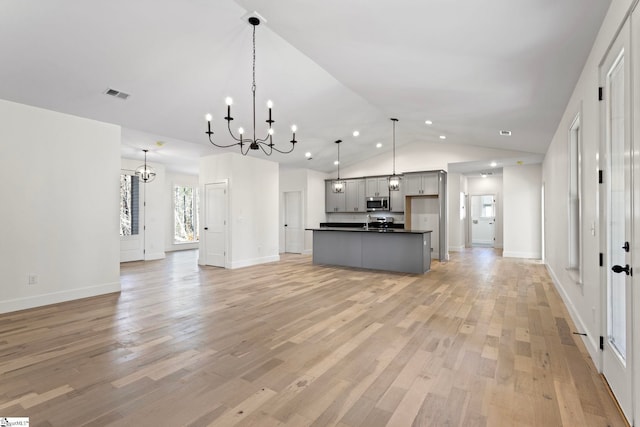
<point x="253" y="206"/>
<point x="490" y="185"/>
<point x="456" y="184"/>
<point x="584" y="301"/>
<point x="522" y="224"/>
<point x="173" y="179"/>
<point x="61" y="174"/>
<point x="154" y="216"/>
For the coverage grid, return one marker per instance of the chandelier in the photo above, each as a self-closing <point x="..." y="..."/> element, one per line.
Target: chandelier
<point x="145" y="173"/>
<point x="265" y="144"/>
<point x="394" y="180"/>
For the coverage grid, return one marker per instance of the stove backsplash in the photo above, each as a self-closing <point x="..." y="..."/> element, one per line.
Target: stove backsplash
<point x="398" y="218"/>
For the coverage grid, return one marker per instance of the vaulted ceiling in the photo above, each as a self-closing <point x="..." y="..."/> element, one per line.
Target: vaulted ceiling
<point x="331" y="67"/>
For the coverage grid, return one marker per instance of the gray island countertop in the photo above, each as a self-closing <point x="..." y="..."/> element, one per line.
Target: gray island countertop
<point x="390" y="249"/>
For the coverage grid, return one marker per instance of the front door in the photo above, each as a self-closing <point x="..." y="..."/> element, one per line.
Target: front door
<point x="215" y="226"/>
<point x="616" y="109"/>
<point x="483" y="220"/>
<point x="293" y="231"/>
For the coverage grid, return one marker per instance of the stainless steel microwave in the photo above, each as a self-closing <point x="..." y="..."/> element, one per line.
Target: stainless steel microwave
<point x="377" y="204"/>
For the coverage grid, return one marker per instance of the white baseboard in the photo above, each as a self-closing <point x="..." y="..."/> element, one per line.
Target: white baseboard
<point x="153" y="256"/>
<point x="527" y="255"/>
<point x="307" y="252"/>
<point x="591" y="343"/>
<point x="24" y="303"/>
<point x="456" y="248"/>
<point x="254" y="261"/>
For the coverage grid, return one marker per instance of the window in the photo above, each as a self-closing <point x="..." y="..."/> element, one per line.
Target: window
<point x="575" y="189"/>
<point x="185" y="214"/>
<point x="129" y="204"/>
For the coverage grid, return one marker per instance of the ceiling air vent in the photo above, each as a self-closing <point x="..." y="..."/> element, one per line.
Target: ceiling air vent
<point x="117" y="93"/>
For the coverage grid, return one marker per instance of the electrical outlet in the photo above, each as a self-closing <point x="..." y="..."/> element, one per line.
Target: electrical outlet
<point x="32" y="279"/>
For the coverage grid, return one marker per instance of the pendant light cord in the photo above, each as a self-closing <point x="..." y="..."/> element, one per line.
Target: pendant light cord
<point x="253" y="84"/>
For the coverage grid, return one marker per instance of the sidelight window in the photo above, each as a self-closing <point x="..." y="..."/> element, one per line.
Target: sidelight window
<point x="575" y="189"/>
<point x="129" y="204"/>
<point x="185" y="214"/>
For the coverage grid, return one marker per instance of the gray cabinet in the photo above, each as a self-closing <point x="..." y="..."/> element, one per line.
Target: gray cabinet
<point x="355" y="190"/>
<point x="419" y="184"/>
<point x="377" y="187"/>
<point x="334" y="202"/>
<point x="396" y="199"/>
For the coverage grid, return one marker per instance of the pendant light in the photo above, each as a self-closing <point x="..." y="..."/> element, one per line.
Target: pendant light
<point x="338" y="186"/>
<point x="394" y="180"/>
<point x="265" y="144"/>
<point x="145" y="173"/>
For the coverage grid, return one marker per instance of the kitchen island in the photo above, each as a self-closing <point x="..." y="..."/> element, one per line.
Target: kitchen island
<point x="405" y="251"/>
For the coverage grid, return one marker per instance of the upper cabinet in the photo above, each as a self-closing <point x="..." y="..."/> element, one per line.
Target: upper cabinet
<point x="355" y="189"/>
<point x="377" y="187"/>
<point x="334" y="202"/>
<point x="350" y="199"/>
<point x="421" y="184"/>
<point x="396" y="199"/>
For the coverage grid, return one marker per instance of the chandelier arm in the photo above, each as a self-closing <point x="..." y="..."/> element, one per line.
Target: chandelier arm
<point x="242" y="145"/>
<point x="262" y="145"/>
<point x="285" y="152"/>
<point x="263" y="140"/>
<point x="222" y="146"/>
<point x="240" y="140"/>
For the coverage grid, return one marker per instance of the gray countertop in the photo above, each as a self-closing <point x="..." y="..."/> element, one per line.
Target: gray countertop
<point x="371" y="230"/>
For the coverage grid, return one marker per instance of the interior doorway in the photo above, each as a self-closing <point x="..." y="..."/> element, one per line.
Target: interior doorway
<point x="293" y="229"/>
<point x="483" y="220"/>
<point x="215" y="224"/>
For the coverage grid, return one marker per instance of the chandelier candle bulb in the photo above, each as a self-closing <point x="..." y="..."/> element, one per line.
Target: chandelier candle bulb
<point x="228" y="100"/>
<point x="209" y="117"/>
<point x="240" y="131"/>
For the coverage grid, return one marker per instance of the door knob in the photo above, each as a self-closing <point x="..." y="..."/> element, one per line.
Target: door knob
<point x="620" y="269"/>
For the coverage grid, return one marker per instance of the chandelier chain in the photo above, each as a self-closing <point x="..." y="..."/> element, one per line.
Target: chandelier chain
<point x="253" y="85"/>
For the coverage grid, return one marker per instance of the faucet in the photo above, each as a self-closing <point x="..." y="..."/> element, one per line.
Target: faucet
<point x="367" y="221"/>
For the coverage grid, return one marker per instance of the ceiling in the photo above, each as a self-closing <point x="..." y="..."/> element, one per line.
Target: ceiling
<point x="331" y="67"/>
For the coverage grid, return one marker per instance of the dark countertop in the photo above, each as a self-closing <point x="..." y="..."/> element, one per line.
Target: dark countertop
<point x="372" y="224"/>
<point x="371" y="230"/>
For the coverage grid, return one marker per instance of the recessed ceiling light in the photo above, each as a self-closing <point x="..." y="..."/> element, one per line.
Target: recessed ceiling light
<point x="505" y="132"/>
<point x="484" y="175"/>
<point x="443" y="137"/>
<point x="307" y="154"/>
<point x="378" y="145"/>
<point x="356" y="133"/>
<point x="336" y="162"/>
<point x="428" y="122"/>
<point x="493" y="164"/>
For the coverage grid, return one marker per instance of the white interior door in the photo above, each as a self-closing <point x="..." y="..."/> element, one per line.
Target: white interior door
<point x="293" y="230"/>
<point x="617" y="351"/>
<point x="215" y="224"/>
<point x="483" y="220"/>
<point x="131" y="218"/>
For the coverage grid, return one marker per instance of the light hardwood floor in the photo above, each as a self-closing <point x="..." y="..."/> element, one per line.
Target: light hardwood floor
<point x="478" y="341"/>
